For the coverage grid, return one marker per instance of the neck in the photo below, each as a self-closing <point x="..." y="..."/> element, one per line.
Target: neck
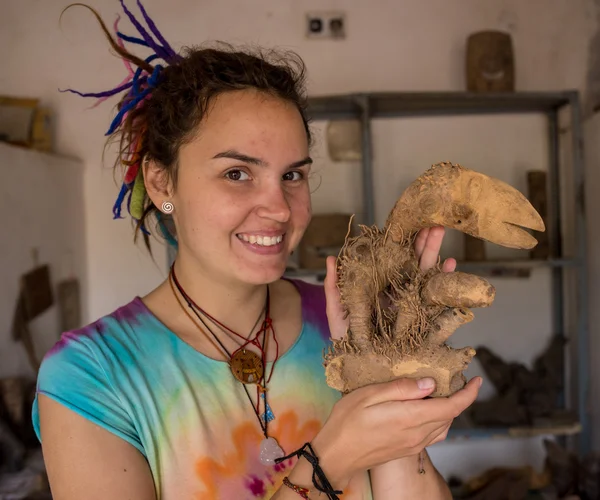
<point x="236" y="305"/>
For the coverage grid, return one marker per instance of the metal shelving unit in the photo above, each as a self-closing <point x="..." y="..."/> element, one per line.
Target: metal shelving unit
<point x="368" y="106"/>
<point x="515" y="432"/>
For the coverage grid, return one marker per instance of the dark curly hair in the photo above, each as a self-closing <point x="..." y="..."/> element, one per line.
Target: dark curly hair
<point x="179" y="101"/>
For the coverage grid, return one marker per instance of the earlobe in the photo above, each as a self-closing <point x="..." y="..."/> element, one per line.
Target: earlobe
<point x="157" y="182"/>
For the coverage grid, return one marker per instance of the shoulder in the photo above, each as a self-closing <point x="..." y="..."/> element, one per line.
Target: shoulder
<point x="103" y="349"/>
<point x="108" y="330"/>
<point x="83" y="369"/>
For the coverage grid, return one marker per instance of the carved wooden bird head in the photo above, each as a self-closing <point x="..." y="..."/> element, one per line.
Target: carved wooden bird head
<point x="452" y="196"/>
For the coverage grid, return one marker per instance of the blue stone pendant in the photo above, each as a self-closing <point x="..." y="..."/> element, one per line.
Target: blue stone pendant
<point x="268" y="415"/>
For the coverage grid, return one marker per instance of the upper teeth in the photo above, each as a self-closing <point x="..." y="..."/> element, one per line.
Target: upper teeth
<point x="265" y="241"/>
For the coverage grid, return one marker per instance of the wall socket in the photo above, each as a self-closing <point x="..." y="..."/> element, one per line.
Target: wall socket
<point x="326" y="24"/>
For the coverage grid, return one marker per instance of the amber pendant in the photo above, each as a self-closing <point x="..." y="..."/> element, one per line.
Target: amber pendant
<point x="247" y="367"/>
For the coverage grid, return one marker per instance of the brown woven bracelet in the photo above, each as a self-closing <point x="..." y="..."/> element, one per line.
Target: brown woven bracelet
<point x="303" y="492"/>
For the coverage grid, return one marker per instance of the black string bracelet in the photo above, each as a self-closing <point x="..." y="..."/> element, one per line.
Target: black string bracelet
<point x="319" y="479"/>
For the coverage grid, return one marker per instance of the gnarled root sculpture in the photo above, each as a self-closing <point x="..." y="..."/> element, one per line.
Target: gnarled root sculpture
<point x="399" y="316"/>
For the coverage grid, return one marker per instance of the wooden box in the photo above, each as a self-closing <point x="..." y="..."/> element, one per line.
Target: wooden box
<point x="324" y="236"/>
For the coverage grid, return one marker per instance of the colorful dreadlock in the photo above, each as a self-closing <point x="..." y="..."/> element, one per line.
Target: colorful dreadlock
<point x="139" y="85"/>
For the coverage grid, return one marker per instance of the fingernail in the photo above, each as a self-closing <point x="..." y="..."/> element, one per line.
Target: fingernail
<point x="425" y="383"/>
<point x="480" y="381"/>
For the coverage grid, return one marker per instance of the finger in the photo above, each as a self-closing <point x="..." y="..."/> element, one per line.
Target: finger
<point x="443" y="409"/>
<point x="420" y="242"/>
<point x="449" y="265"/>
<point x="402" y="389"/>
<point x="440" y="436"/>
<point x="427" y="434"/>
<point x="431" y="250"/>
<point x="424" y="435"/>
<point x="465" y="397"/>
<point x="336" y="316"/>
<point x="432" y="433"/>
<point x="329" y="283"/>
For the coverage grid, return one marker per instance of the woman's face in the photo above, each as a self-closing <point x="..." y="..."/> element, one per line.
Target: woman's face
<point x="242" y="200"/>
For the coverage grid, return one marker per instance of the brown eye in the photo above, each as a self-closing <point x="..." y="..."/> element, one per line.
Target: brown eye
<point x="293" y="176"/>
<point x="237" y="175"/>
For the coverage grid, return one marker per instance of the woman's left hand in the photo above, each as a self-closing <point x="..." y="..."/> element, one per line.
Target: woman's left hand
<point x="427" y="249"/>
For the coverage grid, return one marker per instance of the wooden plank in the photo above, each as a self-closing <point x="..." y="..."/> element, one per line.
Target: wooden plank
<point x="537" y="192"/>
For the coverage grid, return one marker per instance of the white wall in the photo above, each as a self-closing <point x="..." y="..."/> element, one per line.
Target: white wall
<point x="41" y="202"/>
<point x="391" y="45"/>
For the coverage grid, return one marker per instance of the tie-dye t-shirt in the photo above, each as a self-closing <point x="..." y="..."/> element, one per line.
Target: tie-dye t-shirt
<point x="185" y="412"/>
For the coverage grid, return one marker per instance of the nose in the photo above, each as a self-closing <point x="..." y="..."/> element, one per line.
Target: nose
<point x="274" y="205"/>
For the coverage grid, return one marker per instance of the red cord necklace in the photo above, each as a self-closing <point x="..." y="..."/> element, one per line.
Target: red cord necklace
<point x="247" y="367"/>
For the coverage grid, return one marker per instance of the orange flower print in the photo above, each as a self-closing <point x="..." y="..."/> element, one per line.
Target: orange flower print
<point x="234" y="470"/>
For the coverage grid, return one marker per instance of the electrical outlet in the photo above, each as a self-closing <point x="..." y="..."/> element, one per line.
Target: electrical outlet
<point x="326" y="25"/>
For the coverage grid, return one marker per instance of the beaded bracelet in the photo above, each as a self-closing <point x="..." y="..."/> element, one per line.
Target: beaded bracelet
<point x="303" y="492"/>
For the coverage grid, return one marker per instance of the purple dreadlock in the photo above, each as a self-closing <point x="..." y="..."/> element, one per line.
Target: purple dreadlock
<point x="139" y="86"/>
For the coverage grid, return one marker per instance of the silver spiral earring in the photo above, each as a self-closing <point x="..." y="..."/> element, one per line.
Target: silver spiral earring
<point x="167" y="207"/>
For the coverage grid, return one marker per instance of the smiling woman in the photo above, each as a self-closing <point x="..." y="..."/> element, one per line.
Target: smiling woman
<point x="212" y="385"/>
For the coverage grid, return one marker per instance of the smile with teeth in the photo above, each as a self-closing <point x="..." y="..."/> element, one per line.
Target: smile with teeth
<point x="263" y="241"/>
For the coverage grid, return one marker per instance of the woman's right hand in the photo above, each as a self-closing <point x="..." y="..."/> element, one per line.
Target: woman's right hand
<point x="382" y="422"/>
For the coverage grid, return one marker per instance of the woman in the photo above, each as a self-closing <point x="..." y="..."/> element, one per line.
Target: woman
<point x="198" y="389"/>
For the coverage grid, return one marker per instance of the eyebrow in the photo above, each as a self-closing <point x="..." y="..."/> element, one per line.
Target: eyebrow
<point x="235" y="155"/>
